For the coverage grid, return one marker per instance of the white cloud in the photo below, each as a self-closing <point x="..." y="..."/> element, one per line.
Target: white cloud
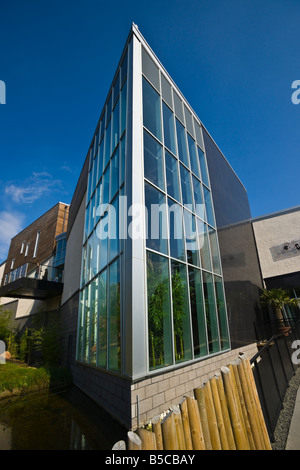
<point x="32" y="188"/>
<point x="10" y="225"/>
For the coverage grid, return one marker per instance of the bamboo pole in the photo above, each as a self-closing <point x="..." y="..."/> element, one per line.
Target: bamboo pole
<point x="179" y="427"/>
<point x="225" y="412"/>
<point x="212" y="418"/>
<point x="147" y="438"/>
<point x="186" y="425"/>
<point x="231" y="367"/>
<point x="200" y="398"/>
<point x="243" y="408"/>
<point x="195" y="424"/>
<point x="134" y="441"/>
<point x="169" y="433"/>
<point x="249" y="372"/>
<point x="219" y="414"/>
<point x="120" y="445"/>
<point x="238" y="431"/>
<point x="251" y="408"/>
<point x="156" y="427"/>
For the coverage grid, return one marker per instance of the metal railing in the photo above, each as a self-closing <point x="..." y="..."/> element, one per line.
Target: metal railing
<point x="34" y="271"/>
<point x="273" y="368"/>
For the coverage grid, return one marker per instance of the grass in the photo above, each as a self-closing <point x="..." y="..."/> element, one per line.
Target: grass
<point x="19" y="377"/>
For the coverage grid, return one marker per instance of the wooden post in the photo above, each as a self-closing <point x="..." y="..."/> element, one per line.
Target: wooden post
<point x="156" y="427"/>
<point x="243" y="408"/>
<point x="219" y="414"/>
<point x="179" y="427"/>
<point x="225" y="412"/>
<point x="170" y="441"/>
<point x="186" y="425"/>
<point x="212" y="418"/>
<point x="239" y="435"/>
<point x="147" y="438"/>
<point x="195" y="424"/>
<point x="134" y="441"/>
<point x="200" y="398"/>
<point x="249" y="372"/>
<point x="120" y="445"/>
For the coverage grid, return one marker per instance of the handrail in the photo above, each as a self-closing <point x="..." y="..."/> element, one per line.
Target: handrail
<point x="41" y="271"/>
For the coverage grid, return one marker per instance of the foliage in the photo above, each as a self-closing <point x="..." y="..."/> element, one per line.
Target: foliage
<point x="16" y="376"/>
<point x="7" y="327"/>
<point x="277" y="299"/>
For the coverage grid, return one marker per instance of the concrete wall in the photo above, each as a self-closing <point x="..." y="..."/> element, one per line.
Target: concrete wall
<point x="276" y="236"/>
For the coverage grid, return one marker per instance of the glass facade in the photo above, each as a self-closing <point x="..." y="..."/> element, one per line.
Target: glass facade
<point x="99" y="325"/>
<point x="186" y="309"/>
<point x="184" y="305"/>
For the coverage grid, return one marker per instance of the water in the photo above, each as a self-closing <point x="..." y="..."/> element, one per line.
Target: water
<point x="56" y="420"/>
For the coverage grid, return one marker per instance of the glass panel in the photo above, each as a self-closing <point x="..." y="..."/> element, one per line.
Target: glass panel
<point x="204" y="173"/>
<point x="123" y="107"/>
<point x="80" y="326"/>
<point x="124" y="68"/>
<point x="122" y="162"/>
<point x="169" y="129"/>
<point x="166" y="91"/>
<point x="182" y="145"/>
<point x="116" y="89"/>
<point x="92" y="213"/>
<point x="105" y="187"/>
<point x="186" y="188"/>
<point x="114" y="175"/>
<point x="114" y="326"/>
<point x="221" y="308"/>
<point x="86" y="325"/>
<point x="178" y="107"/>
<point x="94" y="266"/>
<point x="193" y="156"/>
<point x="102" y="320"/>
<point x="159" y="311"/>
<point x="203" y="244"/>
<point x="198" y="197"/>
<point x="94" y="329"/>
<point x="153" y="161"/>
<point x="181" y="317"/>
<point x="150" y="70"/>
<point x="208" y="206"/>
<point x="102" y="234"/>
<point x="108" y="110"/>
<point x="198" y="313"/>
<point x="177" y="249"/>
<point x="211" y="318"/>
<point x="188" y="121"/>
<point x="116" y="124"/>
<point x="114" y="229"/>
<point x="101" y="158"/>
<point x="214" y="250"/>
<point x="191" y="244"/>
<point x="198" y="134"/>
<point x="151" y="110"/>
<point x="172" y="173"/>
<point x="156" y="219"/>
<point x="107" y="147"/>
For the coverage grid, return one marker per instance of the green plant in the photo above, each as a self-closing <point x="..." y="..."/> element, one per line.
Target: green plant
<point x="277" y="299"/>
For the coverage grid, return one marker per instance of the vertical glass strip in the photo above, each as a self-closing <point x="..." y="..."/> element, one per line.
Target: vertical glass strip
<point x="197" y="312"/>
<point x="211" y="314"/>
<point x="114" y="317"/>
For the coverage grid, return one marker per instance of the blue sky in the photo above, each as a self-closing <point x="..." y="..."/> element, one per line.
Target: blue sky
<point x="234" y="61"/>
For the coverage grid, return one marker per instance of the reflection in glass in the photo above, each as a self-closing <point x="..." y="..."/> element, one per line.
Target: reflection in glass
<point x="94" y="312"/>
<point x="114" y="326"/>
<point x="211" y="315"/>
<point x="114" y="175"/>
<point x="197" y="312"/>
<point x="115" y="129"/>
<point x="123" y="107"/>
<point x="191" y="242"/>
<point x="102" y="320"/>
<point x="182" y="145"/>
<point x="86" y="325"/>
<point x="199" y="204"/>
<point x="151" y="110"/>
<point x="203" y="244"/>
<point x="107" y="148"/>
<point x="172" y="174"/>
<point x="153" y="161"/>
<point x="186" y="188"/>
<point x="156" y="219"/>
<point x="181" y="317"/>
<point x="176" y="230"/>
<point x="208" y="206"/>
<point x="203" y="166"/>
<point x="214" y="250"/>
<point x="193" y="156"/>
<point x="159" y="311"/>
<point x="169" y="130"/>
<point x="221" y="309"/>
<point x="114" y="229"/>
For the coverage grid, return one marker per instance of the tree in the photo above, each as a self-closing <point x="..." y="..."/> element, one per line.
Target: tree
<point x="277" y="299"/>
<point x="7" y="327"/>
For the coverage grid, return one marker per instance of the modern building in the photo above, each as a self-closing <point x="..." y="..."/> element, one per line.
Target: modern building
<point x="277" y="238"/>
<point x="162" y="279"/>
<point x="32" y="275"/>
